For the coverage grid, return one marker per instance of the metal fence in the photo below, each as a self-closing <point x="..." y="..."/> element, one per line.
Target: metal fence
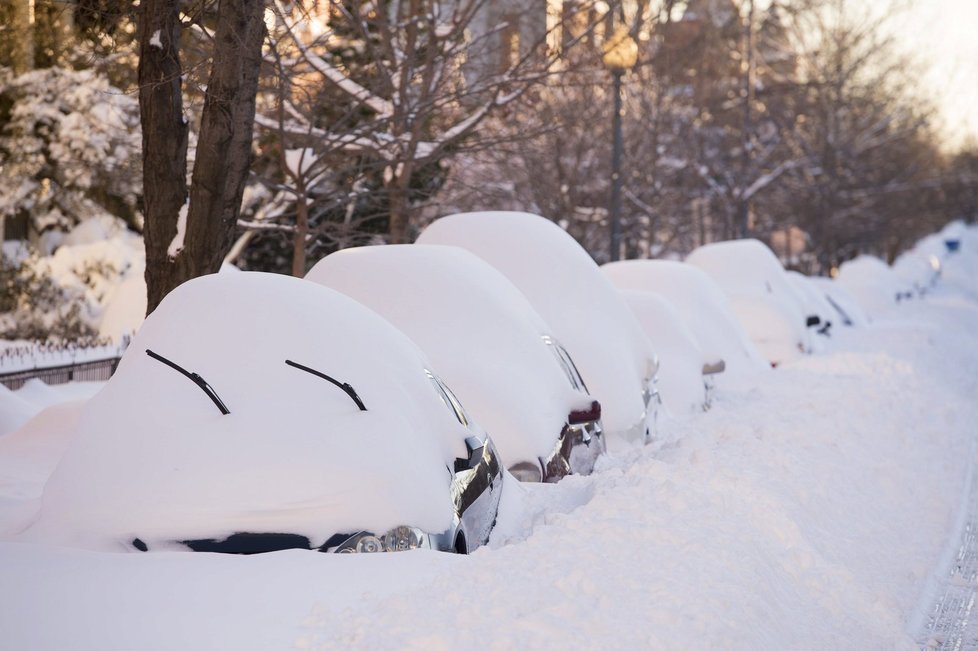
<point x="91" y="371"/>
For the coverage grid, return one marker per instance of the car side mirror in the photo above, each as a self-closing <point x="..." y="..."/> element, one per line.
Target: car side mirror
<point x="812" y="320"/>
<point x="475" y="448"/>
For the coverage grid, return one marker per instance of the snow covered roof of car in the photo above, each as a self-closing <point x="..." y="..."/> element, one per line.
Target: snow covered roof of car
<point x="812" y="298"/>
<point x="701" y="302"/>
<point x="755" y="282"/>
<point x="917" y="269"/>
<point x="564" y="285"/>
<point x="874" y="284"/>
<point x="480" y="332"/>
<point x="155" y="458"/>
<point x="841" y="300"/>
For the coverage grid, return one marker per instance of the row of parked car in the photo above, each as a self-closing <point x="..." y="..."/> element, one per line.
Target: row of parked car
<point x="383" y="402"/>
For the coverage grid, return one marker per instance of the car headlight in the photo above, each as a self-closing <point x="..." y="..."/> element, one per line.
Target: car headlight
<point x="369" y="544"/>
<point x="401" y="539"/>
<point x="398" y="539"/>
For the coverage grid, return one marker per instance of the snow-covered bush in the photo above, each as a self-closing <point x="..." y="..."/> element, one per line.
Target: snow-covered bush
<point x="61" y="297"/>
<point x="34" y="307"/>
<point x="69" y="149"/>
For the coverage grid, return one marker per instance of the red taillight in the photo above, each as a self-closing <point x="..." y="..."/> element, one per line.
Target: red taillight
<point x="581" y="416"/>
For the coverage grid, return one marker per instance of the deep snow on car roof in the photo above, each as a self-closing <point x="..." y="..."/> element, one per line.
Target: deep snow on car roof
<point x="756" y="284"/>
<point x="842" y="301"/>
<point x="744" y="267"/>
<point x="565" y="286"/>
<point x="155" y="458"/>
<point x="475" y="326"/>
<point x="874" y="284"/>
<point x="812" y="298"/>
<point x="702" y="303"/>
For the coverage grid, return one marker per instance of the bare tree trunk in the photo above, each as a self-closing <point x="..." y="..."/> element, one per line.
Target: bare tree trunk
<point x="224" y="149"/>
<point x="17" y="36"/>
<point x="398" y="203"/>
<point x="164" y="131"/>
<point x="301" y="232"/>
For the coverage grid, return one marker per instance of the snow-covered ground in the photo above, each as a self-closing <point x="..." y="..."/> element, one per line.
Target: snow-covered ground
<point x="817" y="506"/>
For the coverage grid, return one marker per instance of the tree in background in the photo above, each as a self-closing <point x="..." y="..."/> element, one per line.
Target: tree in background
<point x="795" y="123"/>
<point x="189" y="231"/>
<point x="368" y="102"/>
<point x="871" y="164"/>
<point x="69" y="151"/>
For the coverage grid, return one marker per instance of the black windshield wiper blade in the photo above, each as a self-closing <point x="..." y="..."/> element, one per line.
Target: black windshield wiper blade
<point x="196" y="379"/>
<point x="347" y="389"/>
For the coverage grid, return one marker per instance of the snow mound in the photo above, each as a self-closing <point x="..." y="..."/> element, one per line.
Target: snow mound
<point x="18" y="407"/>
<point x="700" y="301"/>
<point x="917" y="270"/>
<point x="478" y="330"/>
<point x="155" y="458"/>
<point x="813" y="302"/>
<point x="874" y="284"/>
<point x="846" y="307"/>
<point x="14" y="410"/>
<point x="565" y="286"/>
<point x="765" y="302"/>
<point x="27" y="458"/>
<point x="42" y="395"/>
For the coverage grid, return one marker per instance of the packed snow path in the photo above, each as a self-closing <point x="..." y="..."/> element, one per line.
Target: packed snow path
<point x="953" y="622"/>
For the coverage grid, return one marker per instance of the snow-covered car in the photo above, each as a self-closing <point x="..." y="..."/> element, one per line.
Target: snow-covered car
<point x="585" y="311"/>
<point x="255" y="412"/>
<point x="487" y="342"/>
<point x="685" y="372"/>
<point x="919" y="270"/>
<point x="813" y="302"/>
<point x="846" y="307"/>
<point x="874" y="284"/>
<point x="701" y="303"/>
<point x="765" y="302"/>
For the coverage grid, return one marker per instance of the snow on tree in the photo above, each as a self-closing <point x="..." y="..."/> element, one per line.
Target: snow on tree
<point x="69" y="151"/>
<point x="380" y="96"/>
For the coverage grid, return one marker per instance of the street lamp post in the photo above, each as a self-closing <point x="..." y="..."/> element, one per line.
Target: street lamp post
<point x="620" y="54"/>
<point x="616" y="147"/>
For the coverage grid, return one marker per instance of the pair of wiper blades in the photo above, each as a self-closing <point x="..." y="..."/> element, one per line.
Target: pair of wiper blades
<point x="207" y="389"/>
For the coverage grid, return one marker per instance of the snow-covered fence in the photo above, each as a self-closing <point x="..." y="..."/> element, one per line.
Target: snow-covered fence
<point x="58" y="364"/>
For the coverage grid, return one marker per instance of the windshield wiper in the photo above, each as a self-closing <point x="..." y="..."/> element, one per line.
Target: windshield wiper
<point x="347" y="389"/>
<point x="196" y="379"/>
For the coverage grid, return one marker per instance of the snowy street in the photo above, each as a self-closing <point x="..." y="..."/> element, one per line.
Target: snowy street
<point x="489" y="325"/>
<point x="953" y="624"/>
<point x="817" y="506"/>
